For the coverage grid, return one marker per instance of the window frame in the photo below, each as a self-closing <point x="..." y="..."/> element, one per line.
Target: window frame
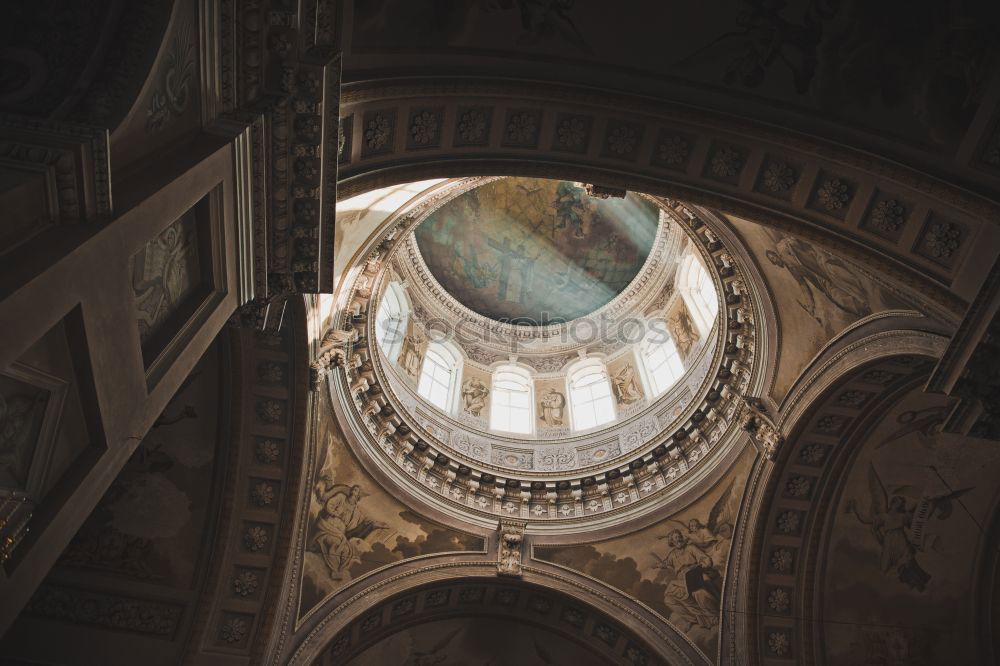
<point x="692" y="285"/>
<point x="574" y="376"/>
<point x="670" y="351"/>
<point x="398" y="294"/>
<point x="451" y="364"/>
<point x="503" y="412"/>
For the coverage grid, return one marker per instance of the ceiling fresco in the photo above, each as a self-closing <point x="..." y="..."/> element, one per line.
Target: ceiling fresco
<point x="846" y="60"/>
<point x="532" y="251"/>
<point x="677" y="566"/>
<point x="904" y="542"/>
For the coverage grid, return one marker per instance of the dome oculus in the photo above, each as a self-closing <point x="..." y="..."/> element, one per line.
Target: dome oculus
<point x="535" y="252"/>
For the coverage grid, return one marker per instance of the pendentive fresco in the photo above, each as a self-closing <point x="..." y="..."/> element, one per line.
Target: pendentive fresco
<point x="356" y="526"/>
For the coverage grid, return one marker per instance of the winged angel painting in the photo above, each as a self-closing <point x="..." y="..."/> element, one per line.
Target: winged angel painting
<point x="899" y="525"/>
<point x="356" y="527"/>
<point x="676" y="567"/>
<point x="692" y="567"/>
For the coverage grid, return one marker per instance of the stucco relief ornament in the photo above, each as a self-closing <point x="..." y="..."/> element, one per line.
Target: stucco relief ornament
<point x="888" y="215"/>
<point x="172" y="97"/>
<point x="833" y="194"/>
<point x="571" y="131"/>
<point x="636" y="656"/>
<point x="726" y="162"/>
<point x="673" y="150"/>
<point x="778" y="177"/>
<point x="788" y="522"/>
<point x="333" y="352"/>
<point x="271" y="372"/>
<point x="778" y="643"/>
<point x="811" y="454"/>
<point x="781" y="560"/>
<point x="798" y="486"/>
<point x="764" y="434"/>
<point x="268" y="451"/>
<point x="521" y="128"/>
<point x="424" y="128"/>
<point x="942" y="240"/>
<point x="777" y="600"/>
<point x="234" y="630"/>
<point x="262" y="494"/>
<point x="511" y="536"/>
<point x="245" y="583"/>
<point x="472" y="126"/>
<point x="270" y="411"/>
<point x="255" y="538"/>
<point x="377" y="132"/>
<point x="622" y="140"/>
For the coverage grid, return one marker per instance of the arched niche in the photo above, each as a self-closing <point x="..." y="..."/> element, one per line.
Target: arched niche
<point x="857" y="531"/>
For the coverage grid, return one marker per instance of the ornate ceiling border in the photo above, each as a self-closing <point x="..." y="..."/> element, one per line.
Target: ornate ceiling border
<point x="653" y="639"/>
<point x="909" y="225"/>
<point x="768" y="590"/>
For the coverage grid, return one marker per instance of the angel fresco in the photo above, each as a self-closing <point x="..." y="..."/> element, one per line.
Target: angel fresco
<point x="341" y="524"/>
<point x="767" y="37"/>
<point x="820" y="273"/>
<point x="693" y="567"/>
<point x="900" y="525"/>
<point x="922" y="424"/>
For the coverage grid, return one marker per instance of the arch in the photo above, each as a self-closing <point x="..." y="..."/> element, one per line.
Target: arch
<point x="439" y="373"/>
<point x="710" y="146"/>
<point x="391" y="319"/>
<point x="512" y="400"/>
<point x="591" y="401"/>
<point x="660" y="643"/>
<point x="788" y="517"/>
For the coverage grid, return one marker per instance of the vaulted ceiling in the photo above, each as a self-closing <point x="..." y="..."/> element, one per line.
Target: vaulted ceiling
<point x="837" y="166"/>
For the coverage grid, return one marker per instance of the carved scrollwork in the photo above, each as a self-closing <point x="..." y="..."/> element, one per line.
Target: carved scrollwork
<point x="511" y="538"/>
<point x="763" y="432"/>
<point x="334" y="352"/>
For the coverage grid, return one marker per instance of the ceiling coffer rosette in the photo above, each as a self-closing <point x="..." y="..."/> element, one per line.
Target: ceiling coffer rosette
<point x="649" y="457"/>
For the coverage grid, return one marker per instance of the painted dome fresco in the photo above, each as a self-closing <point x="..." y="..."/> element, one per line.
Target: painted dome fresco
<point x="532" y="251"/>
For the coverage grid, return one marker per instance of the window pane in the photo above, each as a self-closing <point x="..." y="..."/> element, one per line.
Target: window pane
<point x="511" y="402"/>
<point x="436" y="377"/>
<point x="590" y="396"/>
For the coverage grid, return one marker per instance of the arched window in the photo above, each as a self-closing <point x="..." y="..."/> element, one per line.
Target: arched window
<point x="662" y="362"/>
<point x="390" y="320"/>
<point x="590" y="399"/>
<point x="699" y="293"/>
<point x="437" y="376"/>
<point x="510" y="406"/>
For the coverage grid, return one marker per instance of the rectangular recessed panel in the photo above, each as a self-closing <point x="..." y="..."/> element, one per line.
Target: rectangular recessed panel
<point x="171" y="277"/>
